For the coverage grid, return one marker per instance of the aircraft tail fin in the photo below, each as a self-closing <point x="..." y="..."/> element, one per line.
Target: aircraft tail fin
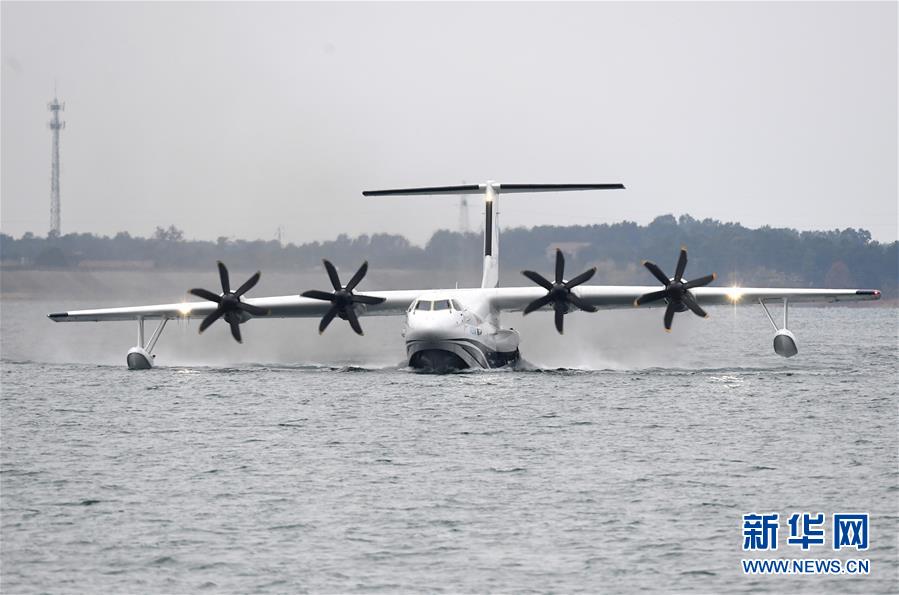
<point x="491" y="191"/>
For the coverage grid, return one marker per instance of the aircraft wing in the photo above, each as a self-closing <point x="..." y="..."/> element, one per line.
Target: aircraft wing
<point x="288" y="306"/>
<point x="512" y="299"/>
<point x="509" y="299"/>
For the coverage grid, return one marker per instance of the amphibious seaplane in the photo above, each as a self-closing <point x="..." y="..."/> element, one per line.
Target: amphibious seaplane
<point x="448" y="329"/>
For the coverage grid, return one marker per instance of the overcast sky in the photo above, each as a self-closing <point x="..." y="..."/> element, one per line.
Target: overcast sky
<point x="232" y="119"/>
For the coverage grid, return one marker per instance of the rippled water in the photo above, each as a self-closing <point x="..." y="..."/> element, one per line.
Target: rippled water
<point x="626" y="474"/>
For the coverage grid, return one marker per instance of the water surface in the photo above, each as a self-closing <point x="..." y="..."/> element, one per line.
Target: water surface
<point x="626" y="470"/>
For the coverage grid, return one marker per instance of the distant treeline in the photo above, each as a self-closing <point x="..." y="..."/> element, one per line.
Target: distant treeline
<point x="838" y="258"/>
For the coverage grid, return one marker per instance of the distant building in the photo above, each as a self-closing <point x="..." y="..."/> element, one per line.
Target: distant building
<point x="569" y="248"/>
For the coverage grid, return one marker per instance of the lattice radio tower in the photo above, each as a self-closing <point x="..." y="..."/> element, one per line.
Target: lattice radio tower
<point x="55" y="125"/>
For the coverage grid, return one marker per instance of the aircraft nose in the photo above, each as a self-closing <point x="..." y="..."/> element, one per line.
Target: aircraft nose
<point x="431" y="326"/>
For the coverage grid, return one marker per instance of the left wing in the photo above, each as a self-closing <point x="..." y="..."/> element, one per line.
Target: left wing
<point x="288" y="306"/>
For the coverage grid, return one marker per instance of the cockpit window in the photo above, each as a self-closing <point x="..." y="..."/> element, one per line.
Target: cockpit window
<point x="442" y="305"/>
<point x="423" y="305"/>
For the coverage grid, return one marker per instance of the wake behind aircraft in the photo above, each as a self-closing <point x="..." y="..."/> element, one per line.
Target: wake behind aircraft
<point x="451" y="329"/>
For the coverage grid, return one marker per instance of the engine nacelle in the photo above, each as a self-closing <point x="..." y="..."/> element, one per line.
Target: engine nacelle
<point x="139" y="359"/>
<point x="785" y="343"/>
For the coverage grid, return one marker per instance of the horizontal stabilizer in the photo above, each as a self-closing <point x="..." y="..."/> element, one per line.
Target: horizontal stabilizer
<point x="507" y="188"/>
<point x="463" y="189"/>
<point x="499" y="188"/>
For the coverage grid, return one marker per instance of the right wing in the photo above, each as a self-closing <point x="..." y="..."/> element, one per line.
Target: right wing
<point x="512" y="299"/>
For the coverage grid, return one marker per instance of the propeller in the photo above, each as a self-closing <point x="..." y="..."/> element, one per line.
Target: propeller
<point x="559" y="294"/>
<point x="343" y="300"/>
<point x="677" y="291"/>
<point x="229" y="303"/>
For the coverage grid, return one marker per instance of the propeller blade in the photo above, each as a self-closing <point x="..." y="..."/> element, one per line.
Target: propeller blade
<point x="206" y="295"/>
<point x="689" y="302"/>
<point x="669" y="316"/>
<point x="223" y="275"/>
<point x="235" y="329"/>
<point x="357" y="277"/>
<point x="254" y="310"/>
<point x="538" y="279"/>
<point x="647" y="298"/>
<point x="702" y="281"/>
<point x="327" y="318"/>
<point x="368" y="299"/>
<point x="560" y="319"/>
<point x="318" y="295"/>
<point x="582" y="278"/>
<point x="537" y="304"/>
<point x="681" y="264"/>
<point x="332" y="274"/>
<point x="353" y="320"/>
<point x="676" y="289"/>
<point x="210" y="319"/>
<point x="656" y="272"/>
<point x="560" y="266"/>
<point x="580" y="303"/>
<point x="248" y="285"/>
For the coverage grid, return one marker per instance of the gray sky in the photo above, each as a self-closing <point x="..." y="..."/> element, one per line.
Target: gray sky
<point x="234" y="118"/>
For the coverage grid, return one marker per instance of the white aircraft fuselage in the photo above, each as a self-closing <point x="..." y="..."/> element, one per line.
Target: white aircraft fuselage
<point x="443" y="332"/>
<point x="450" y="331"/>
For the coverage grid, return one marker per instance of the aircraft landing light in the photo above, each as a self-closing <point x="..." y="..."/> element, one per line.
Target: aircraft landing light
<point x="734" y="294"/>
